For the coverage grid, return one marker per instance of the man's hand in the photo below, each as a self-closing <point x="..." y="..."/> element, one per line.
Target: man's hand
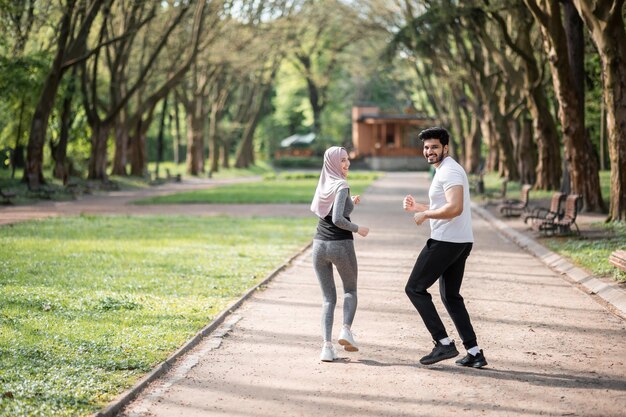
<point x="356" y="199"/>
<point x="408" y="204"/>
<point x="419" y="217"/>
<point x="363" y="231"/>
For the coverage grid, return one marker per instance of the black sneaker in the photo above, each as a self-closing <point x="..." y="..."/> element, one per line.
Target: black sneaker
<point x="477" y="361"/>
<point x="439" y="353"/>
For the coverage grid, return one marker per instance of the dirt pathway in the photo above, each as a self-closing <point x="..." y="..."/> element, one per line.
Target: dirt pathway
<point x="552" y="349"/>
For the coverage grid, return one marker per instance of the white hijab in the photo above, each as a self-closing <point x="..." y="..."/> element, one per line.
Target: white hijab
<point x="331" y="181"/>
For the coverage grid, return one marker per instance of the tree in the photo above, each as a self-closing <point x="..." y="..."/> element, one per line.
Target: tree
<point x="122" y="88"/>
<point x="325" y="31"/>
<point x="605" y="21"/>
<point x="71" y="47"/>
<point x="267" y="49"/>
<point x="517" y="35"/>
<point x="582" y="163"/>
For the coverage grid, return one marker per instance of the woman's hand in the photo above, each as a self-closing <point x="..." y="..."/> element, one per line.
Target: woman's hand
<point x="356" y="199"/>
<point x="363" y="231"/>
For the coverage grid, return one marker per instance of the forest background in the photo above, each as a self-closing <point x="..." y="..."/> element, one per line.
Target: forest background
<point x="534" y="90"/>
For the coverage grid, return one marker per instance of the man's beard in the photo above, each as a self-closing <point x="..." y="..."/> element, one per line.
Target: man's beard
<point x="438" y="159"/>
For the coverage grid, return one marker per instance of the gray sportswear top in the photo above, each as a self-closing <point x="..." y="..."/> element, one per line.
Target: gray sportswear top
<point x="337" y="225"/>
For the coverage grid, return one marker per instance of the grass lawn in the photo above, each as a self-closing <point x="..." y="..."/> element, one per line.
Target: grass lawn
<point x="90" y="304"/>
<point x="284" y="188"/>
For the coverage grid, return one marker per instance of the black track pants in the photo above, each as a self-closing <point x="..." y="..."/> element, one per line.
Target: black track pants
<point x="445" y="260"/>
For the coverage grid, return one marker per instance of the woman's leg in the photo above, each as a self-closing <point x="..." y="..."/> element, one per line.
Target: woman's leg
<point x="344" y="258"/>
<point x="324" y="271"/>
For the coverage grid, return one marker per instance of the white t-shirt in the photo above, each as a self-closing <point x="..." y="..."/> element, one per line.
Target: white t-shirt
<point x="458" y="229"/>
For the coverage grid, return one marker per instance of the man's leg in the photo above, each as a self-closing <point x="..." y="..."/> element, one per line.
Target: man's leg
<point x="429" y="266"/>
<point x="450" y="287"/>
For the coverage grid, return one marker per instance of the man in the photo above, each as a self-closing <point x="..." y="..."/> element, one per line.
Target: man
<point x="445" y="252"/>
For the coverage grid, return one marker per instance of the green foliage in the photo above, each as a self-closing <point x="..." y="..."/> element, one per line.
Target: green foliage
<point x="20" y="82"/>
<point x="90" y="304"/>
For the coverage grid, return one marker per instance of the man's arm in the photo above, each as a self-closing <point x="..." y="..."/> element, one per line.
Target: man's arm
<point x="452" y="208"/>
<point x="409" y="204"/>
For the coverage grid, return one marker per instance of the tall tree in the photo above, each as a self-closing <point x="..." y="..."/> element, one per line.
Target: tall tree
<point x="268" y="49"/>
<point x="122" y="89"/>
<point x="71" y="47"/>
<point x="528" y="77"/>
<point x="326" y="30"/>
<point x="605" y="21"/>
<point x="582" y="163"/>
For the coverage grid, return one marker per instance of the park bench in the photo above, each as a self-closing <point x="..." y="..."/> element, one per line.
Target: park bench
<point x="170" y="177"/>
<point x="618" y="259"/>
<point x="515" y="208"/>
<point x="7" y="196"/>
<point x="541" y="213"/>
<point x="564" y="225"/>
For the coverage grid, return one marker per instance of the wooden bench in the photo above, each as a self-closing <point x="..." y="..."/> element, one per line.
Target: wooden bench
<point x="7" y="196"/>
<point x="170" y="177"/>
<point x="515" y="208"/>
<point x="541" y="213"/>
<point x="618" y="259"/>
<point x="564" y="225"/>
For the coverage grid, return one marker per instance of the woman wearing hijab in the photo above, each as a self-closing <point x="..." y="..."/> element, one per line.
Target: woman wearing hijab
<point x="333" y="244"/>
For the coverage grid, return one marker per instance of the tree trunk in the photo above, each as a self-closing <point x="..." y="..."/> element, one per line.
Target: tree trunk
<point x="33" y="171"/>
<point x="548" y="171"/>
<point x="159" y="158"/>
<point x="245" y="153"/>
<point x="18" y="148"/>
<point x="138" y="154"/>
<point x="176" y="144"/>
<point x="98" y="157"/>
<point x="225" y="152"/>
<point x="606" y="24"/>
<point x="61" y="168"/>
<point x="120" y="156"/>
<point x="472" y="147"/>
<point x="196" y="117"/>
<point x="505" y="145"/>
<point x="573" y="25"/>
<point x="316" y="105"/>
<point x="213" y="140"/>
<point x="526" y="152"/>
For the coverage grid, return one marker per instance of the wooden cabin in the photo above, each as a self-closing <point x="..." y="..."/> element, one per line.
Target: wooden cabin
<point x="388" y="141"/>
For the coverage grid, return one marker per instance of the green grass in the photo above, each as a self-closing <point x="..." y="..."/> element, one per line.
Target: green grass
<point x="260" y="168"/>
<point x="90" y="304"/>
<point x="284" y="188"/>
<point x="592" y="253"/>
<point x="592" y="248"/>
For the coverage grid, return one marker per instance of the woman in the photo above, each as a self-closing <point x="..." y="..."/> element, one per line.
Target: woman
<point x="333" y="244"/>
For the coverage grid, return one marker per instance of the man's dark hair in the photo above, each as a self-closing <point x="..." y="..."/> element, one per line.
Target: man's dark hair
<point x="435" y="133"/>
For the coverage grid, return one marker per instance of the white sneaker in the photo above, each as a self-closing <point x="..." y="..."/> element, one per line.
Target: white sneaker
<point x="329" y="353"/>
<point x="347" y="340"/>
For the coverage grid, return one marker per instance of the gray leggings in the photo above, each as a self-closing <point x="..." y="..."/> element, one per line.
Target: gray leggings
<point x="341" y="254"/>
